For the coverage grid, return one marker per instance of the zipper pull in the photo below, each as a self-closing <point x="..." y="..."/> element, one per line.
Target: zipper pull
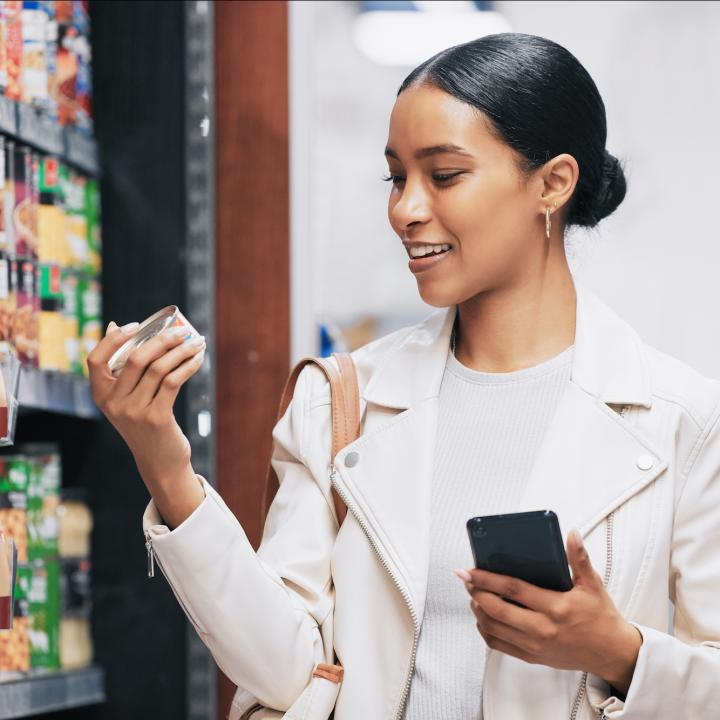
<point x="151" y="556"/>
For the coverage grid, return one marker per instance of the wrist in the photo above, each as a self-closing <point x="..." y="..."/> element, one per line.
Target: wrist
<point x="176" y="496"/>
<point x="627" y="642"/>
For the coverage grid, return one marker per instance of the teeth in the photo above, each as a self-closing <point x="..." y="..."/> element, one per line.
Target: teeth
<point x="428" y="250"/>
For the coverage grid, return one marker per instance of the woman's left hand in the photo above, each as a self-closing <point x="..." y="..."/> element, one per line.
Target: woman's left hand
<point x="580" y="629"/>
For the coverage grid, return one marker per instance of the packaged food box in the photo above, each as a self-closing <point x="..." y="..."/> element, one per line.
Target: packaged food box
<point x="22" y="212"/>
<point x="44" y="614"/>
<point x="71" y="321"/>
<point x="26" y="312"/>
<point x="89" y="320"/>
<point x="8" y="205"/>
<point x="43" y="498"/>
<point x="12" y="13"/>
<point x="51" y="49"/>
<point x="94" y="233"/>
<point x="51" y="345"/>
<point x="67" y="63"/>
<point x="51" y="214"/>
<point x="3" y="49"/>
<point x="34" y="83"/>
<point x="73" y="188"/>
<point x="14" y="480"/>
<point x="15" y="643"/>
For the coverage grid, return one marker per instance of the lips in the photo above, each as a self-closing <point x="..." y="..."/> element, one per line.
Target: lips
<point x="421" y="264"/>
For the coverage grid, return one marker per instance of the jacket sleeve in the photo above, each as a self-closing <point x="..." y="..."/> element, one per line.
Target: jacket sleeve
<point x="266" y="616"/>
<point x="678" y="676"/>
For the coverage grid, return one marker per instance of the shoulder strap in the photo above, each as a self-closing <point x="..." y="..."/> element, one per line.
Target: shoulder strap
<point x="345" y="404"/>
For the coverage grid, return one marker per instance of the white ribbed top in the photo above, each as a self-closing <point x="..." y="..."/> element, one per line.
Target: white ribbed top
<point x="490" y="427"/>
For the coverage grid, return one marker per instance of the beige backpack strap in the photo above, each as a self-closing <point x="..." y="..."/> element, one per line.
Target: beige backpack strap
<point x="345" y="406"/>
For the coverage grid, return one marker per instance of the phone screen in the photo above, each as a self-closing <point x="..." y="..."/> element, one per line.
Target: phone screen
<point x="526" y="545"/>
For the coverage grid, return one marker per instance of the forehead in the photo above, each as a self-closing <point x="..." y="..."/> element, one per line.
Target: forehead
<point x="423" y="116"/>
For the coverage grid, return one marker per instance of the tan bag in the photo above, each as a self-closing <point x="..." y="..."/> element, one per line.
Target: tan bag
<point x="318" y="699"/>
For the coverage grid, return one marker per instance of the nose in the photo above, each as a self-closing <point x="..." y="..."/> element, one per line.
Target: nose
<point x="412" y="205"/>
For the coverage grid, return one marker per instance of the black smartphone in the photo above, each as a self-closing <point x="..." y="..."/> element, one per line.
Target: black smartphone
<point x="525" y="545"/>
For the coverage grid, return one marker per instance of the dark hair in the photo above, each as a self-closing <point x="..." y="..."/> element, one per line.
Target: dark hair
<point x="541" y="102"/>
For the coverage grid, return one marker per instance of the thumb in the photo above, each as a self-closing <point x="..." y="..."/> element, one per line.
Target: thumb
<point x="579" y="560"/>
<point x="111" y="326"/>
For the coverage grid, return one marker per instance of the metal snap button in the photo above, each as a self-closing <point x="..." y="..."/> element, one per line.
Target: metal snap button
<point x="645" y="461"/>
<point x="352" y="459"/>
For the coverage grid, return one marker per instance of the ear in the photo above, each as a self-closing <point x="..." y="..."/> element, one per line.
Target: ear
<point x="560" y="176"/>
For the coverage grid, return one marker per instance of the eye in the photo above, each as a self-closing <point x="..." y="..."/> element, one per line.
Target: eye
<point x="440" y="179"/>
<point x="395" y="179"/>
<point x="445" y="179"/>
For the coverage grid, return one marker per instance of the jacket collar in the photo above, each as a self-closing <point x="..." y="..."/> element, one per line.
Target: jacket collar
<point x="608" y="361"/>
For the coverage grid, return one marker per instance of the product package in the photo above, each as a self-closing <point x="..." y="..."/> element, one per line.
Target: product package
<point x="76" y="648"/>
<point x="15" y="643"/>
<point x="44" y="614"/>
<point x="34" y="81"/>
<point x="14" y="478"/>
<point x="12" y="13"/>
<point x="8" y="572"/>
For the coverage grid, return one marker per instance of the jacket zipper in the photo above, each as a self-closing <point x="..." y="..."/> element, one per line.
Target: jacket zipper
<point x="151" y="574"/>
<point x="150" y="555"/>
<point x="582" y="689"/>
<point x="403" y="591"/>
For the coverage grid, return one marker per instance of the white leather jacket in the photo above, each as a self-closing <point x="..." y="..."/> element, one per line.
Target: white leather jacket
<point x="631" y="459"/>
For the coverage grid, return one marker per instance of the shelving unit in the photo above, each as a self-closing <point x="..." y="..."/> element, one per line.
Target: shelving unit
<point x="56" y="392"/>
<point x="48" y="692"/>
<point x="25" y="123"/>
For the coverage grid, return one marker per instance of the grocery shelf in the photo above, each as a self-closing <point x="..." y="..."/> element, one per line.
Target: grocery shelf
<point x="56" y="392"/>
<point x="33" y="127"/>
<point x="40" y="692"/>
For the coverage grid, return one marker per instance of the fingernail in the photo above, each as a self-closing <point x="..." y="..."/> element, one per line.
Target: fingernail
<point x="111" y="326"/>
<point x="130" y="327"/>
<point x="464" y="575"/>
<point x="578" y="538"/>
<point x="178" y="331"/>
<point x="195" y="341"/>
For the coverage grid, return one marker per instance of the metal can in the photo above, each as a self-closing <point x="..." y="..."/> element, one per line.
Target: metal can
<point x="168" y="317"/>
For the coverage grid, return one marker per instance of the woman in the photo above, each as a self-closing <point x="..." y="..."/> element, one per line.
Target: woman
<point x="523" y="391"/>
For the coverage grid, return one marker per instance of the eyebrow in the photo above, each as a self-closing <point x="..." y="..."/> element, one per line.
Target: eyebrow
<point x="434" y="150"/>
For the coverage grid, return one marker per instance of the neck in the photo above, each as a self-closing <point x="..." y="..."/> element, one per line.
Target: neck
<point x="514" y="327"/>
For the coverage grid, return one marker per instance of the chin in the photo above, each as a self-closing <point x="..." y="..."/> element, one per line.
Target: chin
<point x="438" y="296"/>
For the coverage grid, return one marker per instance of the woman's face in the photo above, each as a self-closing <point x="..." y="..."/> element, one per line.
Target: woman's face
<point x="454" y="183"/>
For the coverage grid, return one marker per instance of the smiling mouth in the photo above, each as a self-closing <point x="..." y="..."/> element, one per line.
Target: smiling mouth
<point x="416" y="253"/>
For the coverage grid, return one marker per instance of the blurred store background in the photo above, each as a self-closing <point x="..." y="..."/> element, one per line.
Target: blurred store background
<point x="227" y="157"/>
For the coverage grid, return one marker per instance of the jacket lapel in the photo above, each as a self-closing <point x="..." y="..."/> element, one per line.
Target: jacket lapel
<point x="590" y="461"/>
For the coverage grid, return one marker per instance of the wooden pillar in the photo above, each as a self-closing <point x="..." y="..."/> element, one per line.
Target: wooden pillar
<point x="253" y="251"/>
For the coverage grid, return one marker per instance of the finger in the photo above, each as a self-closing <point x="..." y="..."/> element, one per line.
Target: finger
<point x="153" y="376"/>
<point x="525" y="620"/>
<point x="509" y="649"/>
<point x="171" y="384"/>
<point x="583" y="572"/>
<point x="140" y="357"/>
<point x="531" y="596"/>
<point x="114" y="337"/>
<point x="529" y="642"/>
<point x="101" y="379"/>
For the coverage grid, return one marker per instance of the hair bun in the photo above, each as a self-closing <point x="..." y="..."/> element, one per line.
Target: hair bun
<point x="612" y="187"/>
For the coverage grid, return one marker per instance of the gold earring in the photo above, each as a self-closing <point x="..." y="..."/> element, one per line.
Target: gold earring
<point x="547" y="222"/>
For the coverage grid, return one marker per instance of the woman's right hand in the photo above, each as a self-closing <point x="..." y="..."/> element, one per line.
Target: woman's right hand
<point x="139" y="402"/>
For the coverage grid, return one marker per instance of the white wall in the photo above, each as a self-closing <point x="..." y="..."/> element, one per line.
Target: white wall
<point x="656" y="260"/>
